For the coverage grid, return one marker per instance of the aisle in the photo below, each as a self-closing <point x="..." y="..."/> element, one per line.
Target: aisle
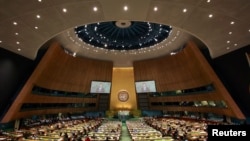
<point x="125" y="134"/>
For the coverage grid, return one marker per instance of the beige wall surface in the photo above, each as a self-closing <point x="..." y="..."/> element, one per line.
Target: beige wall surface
<point x="123" y="80"/>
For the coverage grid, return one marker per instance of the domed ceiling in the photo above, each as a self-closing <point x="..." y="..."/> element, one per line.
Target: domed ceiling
<point x="123" y="35"/>
<point x="123" y="42"/>
<point x="123" y="31"/>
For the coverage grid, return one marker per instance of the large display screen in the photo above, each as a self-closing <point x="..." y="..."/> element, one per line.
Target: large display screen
<point x="100" y="87"/>
<point x="145" y="86"/>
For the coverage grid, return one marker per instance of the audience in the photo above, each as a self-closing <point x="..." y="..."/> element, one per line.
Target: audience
<point x="146" y="128"/>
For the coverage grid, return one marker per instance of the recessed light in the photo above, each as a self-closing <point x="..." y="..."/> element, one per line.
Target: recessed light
<point x="210" y="15"/>
<point x="15" y="23"/>
<point x="208" y="1"/>
<point x="172" y="53"/>
<point x="38" y="16"/>
<point x="232" y="22"/>
<point x="125" y="8"/>
<point x="228" y="42"/>
<point x="64" y="10"/>
<point x="235" y="45"/>
<point x="184" y="10"/>
<point x="228" y="48"/>
<point x="36" y="27"/>
<point x="1" y="41"/>
<point x="155" y="8"/>
<point x="95" y="8"/>
<point x="17" y="42"/>
<point x="19" y="49"/>
<point x="39" y="0"/>
<point x="16" y="33"/>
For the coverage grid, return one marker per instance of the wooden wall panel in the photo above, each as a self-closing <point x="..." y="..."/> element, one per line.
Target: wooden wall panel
<point x="180" y="98"/>
<point x="185" y="70"/>
<point x="60" y="71"/>
<point x="68" y="73"/>
<point x="53" y="99"/>
<point x="180" y="71"/>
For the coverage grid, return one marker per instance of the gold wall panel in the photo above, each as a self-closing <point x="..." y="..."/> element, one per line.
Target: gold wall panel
<point x="123" y="80"/>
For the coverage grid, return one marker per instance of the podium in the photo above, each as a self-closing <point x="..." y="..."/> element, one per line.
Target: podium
<point x="123" y="115"/>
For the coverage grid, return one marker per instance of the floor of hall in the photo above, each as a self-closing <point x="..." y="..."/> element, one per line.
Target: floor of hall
<point x="125" y="134"/>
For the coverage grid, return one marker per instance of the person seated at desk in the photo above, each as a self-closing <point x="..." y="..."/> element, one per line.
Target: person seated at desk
<point x="94" y="136"/>
<point x="113" y="131"/>
<point x="107" y="139"/>
<point x="66" y="137"/>
<point x="87" y="138"/>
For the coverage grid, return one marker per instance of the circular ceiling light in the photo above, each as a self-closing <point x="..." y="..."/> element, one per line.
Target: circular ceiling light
<point x="123" y="35"/>
<point x="123" y="24"/>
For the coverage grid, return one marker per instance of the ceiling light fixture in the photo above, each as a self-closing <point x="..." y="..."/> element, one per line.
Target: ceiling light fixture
<point x="64" y="10"/>
<point x="125" y="8"/>
<point x="14" y="23"/>
<point x="155" y="8"/>
<point x="95" y="8"/>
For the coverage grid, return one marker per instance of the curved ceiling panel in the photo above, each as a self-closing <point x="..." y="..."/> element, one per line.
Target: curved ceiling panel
<point x="221" y="25"/>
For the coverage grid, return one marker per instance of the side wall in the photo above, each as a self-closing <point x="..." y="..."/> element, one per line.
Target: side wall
<point x="60" y="71"/>
<point x="185" y="70"/>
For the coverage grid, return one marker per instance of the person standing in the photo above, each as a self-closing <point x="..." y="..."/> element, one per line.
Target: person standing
<point x="145" y="88"/>
<point x="100" y="88"/>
